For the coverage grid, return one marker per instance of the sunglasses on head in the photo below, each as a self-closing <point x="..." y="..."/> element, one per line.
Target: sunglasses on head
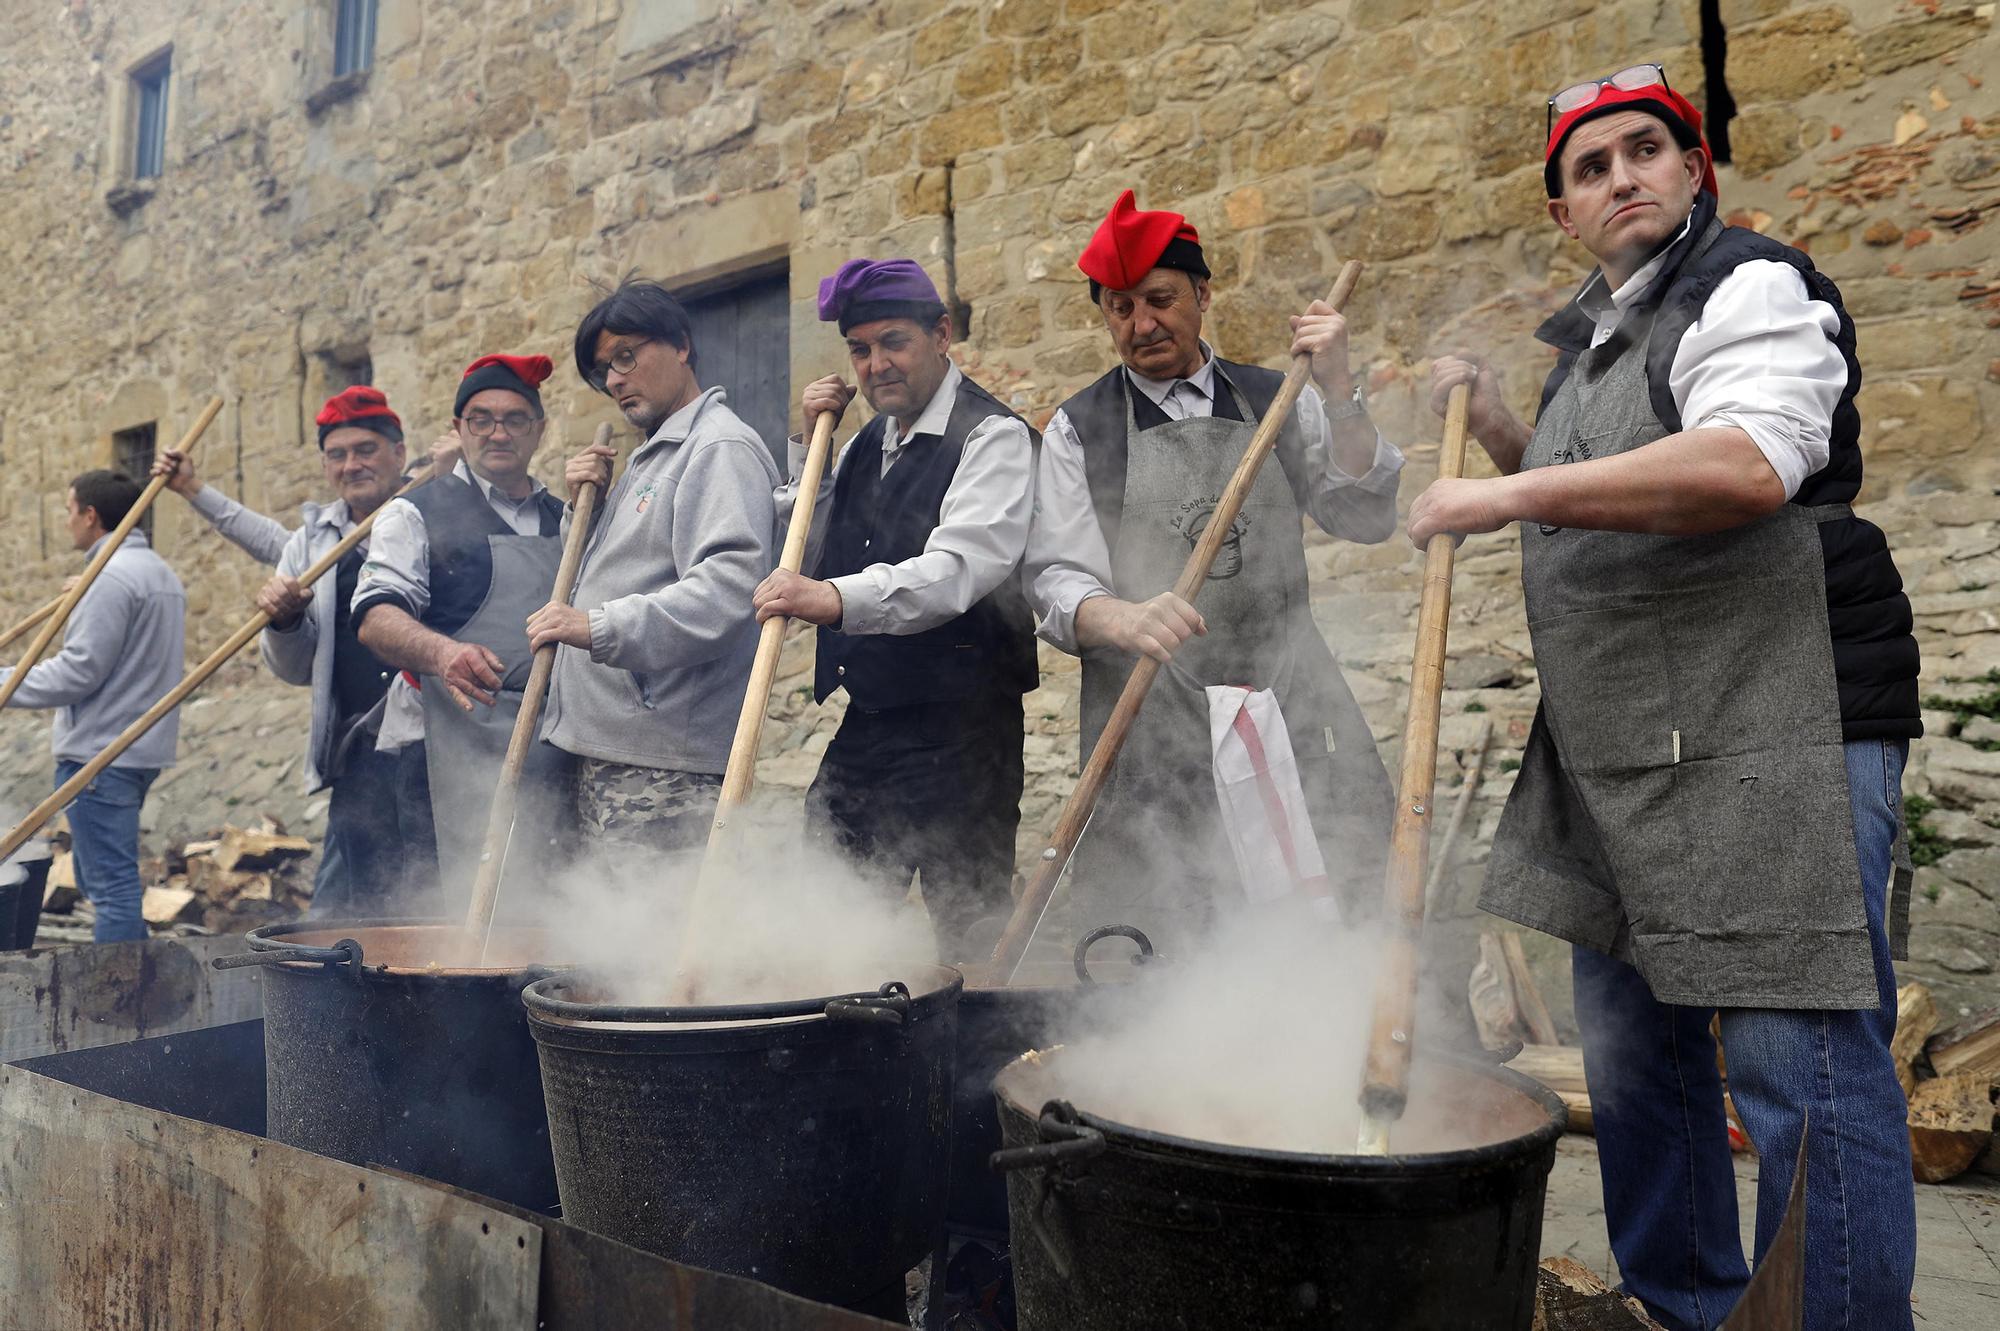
<point x="1629" y="79"/>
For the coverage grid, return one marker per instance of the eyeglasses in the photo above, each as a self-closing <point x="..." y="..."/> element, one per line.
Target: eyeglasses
<point x="515" y="423"/>
<point x="1629" y="79"/>
<point x="622" y="360"/>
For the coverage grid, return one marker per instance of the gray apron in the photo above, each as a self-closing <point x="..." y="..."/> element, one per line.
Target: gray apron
<point x="1682" y="802"/>
<point x="1155" y="850"/>
<point x="466" y="749"/>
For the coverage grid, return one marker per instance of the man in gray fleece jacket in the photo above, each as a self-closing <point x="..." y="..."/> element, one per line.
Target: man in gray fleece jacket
<point x="660" y="639"/>
<point x="121" y="653"/>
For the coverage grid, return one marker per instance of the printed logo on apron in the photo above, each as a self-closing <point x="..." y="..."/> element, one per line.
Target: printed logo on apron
<point x="1193" y="520"/>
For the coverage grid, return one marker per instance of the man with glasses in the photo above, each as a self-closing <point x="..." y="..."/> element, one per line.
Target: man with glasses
<point x="657" y="647"/>
<point x="454" y="569"/>
<point x="379" y="857"/>
<point x="1708" y="804"/>
<point x="1131" y="472"/>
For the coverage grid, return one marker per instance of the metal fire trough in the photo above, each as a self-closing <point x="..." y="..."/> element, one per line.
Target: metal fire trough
<point x="140" y="1191"/>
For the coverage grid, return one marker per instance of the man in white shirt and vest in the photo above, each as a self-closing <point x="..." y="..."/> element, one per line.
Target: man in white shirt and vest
<point x="454" y="569"/>
<point x="1130" y="470"/>
<point x="1708" y="806"/>
<point x="917" y="595"/>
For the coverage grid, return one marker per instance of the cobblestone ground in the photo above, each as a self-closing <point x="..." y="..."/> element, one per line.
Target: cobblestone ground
<point x="242" y="739"/>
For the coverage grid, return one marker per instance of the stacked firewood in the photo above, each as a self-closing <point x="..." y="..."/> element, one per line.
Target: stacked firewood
<point x="1951" y="1077"/>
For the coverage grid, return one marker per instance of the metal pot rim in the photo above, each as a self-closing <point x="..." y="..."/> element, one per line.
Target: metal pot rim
<point x="546" y="1007"/>
<point x="273" y="938"/>
<point x="1194" y="1150"/>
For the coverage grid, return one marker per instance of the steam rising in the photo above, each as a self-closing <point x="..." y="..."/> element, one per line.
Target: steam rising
<point x="789" y="922"/>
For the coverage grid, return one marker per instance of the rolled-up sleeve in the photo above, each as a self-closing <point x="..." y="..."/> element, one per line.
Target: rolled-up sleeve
<point x="1067" y="561"/>
<point x="398" y="568"/>
<point x="1354" y="508"/>
<point x="981" y="532"/>
<point x="1762" y="358"/>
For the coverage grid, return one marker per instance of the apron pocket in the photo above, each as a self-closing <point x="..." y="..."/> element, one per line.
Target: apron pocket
<point x="1606" y="691"/>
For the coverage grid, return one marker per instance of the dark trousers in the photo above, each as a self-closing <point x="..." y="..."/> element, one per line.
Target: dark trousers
<point x="1822" y="1077"/>
<point x="932" y="789"/>
<point x="380" y="856"/>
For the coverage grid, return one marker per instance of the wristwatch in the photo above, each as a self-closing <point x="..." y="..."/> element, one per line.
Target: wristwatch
<point x="1352" y="407"/>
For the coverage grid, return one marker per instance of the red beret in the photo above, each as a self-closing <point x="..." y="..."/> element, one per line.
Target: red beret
<point x="1675" y="110"/>
<point x="1128" y="244"/>
<point x="517" y="374"/>
<point x="360" y="405"/>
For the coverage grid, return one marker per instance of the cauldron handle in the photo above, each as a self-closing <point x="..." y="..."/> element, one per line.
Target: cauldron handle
<point x="1066" y="1142"/>
<point x="346" y="952"/>
<point x="1081" y="958"/>
<point x="887" y="1006"/>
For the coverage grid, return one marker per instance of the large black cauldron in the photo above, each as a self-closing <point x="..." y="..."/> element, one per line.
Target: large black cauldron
<point x="800" y="1143"/>
<point x="1117" y="1228"/>
<point x="376" y="1053"/>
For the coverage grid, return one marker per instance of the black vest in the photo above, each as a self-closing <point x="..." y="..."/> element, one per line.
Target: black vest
<point x="1097" y="415"/>
<point x="457" y="521"/>
<point x="1874" y="649"/>
<point x="987" y="651"/>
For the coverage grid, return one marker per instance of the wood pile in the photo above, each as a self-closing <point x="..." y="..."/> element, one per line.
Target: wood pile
<point x="238" y="879"/>
<point x="1951" y="1077"/>
<point x="1569" y="1296"/>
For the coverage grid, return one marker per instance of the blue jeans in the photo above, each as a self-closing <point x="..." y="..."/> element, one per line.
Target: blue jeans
<point x="1663" y="1146"/>
<point x="104" y="838"/>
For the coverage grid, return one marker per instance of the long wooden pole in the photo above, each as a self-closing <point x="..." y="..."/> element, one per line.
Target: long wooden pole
<point x="46" y="609"/>
<point x="500" y="820"/>
<point x="741" y="772"/>
<point x="1020" y="931"/>
<point x="109" y="547"/>
<point x="1385" y="1088"/>
<point x="173" y="698"/>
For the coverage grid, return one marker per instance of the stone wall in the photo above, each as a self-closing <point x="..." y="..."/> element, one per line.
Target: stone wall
<point x="501" y="157"/>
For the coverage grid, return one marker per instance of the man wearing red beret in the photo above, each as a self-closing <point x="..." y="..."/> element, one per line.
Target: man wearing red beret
<point x="1708" y="804"/>
<point x="917" y="542"/>
<point x="454" y="570"/>
<point x="379" y="857"/>
<point x="1130" y="469"/>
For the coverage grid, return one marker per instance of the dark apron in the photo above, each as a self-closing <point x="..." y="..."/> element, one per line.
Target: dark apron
<point x="466" y="749"/>
<point x="1155" y="851"/>
<point x="1682" y="801"/>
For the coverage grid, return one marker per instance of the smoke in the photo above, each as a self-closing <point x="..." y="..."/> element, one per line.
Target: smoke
<point x="785" y="920"/>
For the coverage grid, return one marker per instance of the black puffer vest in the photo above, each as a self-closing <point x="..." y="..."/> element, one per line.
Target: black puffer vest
<point x="1874" y="648"/>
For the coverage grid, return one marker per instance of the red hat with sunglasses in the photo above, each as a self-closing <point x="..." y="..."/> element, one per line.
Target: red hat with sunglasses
<point x="1634" y="88"/>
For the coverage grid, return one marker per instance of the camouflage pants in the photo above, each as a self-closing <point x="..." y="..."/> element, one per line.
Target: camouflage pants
<point x="649" y="809"/>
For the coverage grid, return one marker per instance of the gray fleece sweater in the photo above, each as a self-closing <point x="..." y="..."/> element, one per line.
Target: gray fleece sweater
<point x="678" y="545"/>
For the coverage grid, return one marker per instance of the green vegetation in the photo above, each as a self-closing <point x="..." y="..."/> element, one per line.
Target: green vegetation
<point x="1926" y="846"/>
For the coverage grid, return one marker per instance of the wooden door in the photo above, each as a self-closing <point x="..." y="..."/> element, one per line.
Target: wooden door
<point x="742" y="341"/>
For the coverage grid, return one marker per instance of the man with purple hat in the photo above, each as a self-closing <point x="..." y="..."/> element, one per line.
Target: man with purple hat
<point x="1708" y="803"/>
<point x="1131" y="470"/>
<point x="922" y="619"/>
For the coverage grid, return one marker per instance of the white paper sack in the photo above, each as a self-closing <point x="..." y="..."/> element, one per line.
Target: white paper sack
<point x="1263" y="805"/>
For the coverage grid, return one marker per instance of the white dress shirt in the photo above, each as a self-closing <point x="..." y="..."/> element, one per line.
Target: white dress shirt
<point x="1761" y="358"/>
<point x="1067" y="561"/>
<point x="981" y="532"/>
